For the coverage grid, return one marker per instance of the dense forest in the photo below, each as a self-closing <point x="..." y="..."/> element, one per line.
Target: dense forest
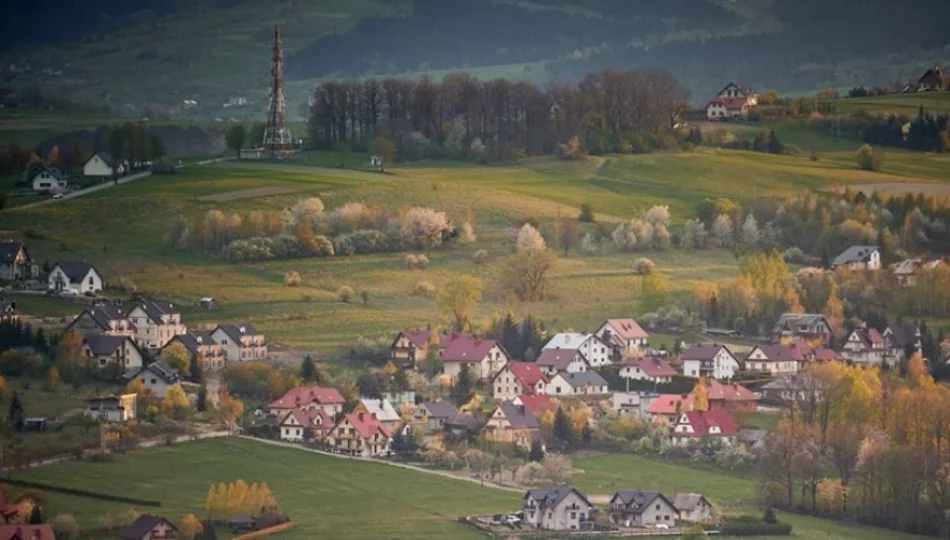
<point x="496" y="117"/>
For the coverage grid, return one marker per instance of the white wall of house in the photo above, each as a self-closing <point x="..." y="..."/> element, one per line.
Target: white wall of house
<point x="97" y="167"/>
<point x="506" y="385"/>
<point x="576" y="365"/>
<point x="487" y="367"/>
<point x="629" y="344"/>
<point x="58" y="280"/>
<point x="566" y="516"/>
<point x="151" y="334"/>
<point x="637" y="374"/>
<point x="725" y="366"/>
<point x="248" y="348"/>
<point x="291" y="430"/>
<point x="759" y="362"/>
<point x="44" y="181"/>
<point x="156" y="384"/>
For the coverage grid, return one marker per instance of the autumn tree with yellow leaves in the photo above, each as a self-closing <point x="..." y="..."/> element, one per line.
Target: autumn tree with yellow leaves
<point x="237" y="498"/>
<point x="700" y="396"/>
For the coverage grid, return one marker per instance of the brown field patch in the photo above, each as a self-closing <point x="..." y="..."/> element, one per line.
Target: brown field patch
<point x="903" y="187"/>
<point x="246" y="194"/>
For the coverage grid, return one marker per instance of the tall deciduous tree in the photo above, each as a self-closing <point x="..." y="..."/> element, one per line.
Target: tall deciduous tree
<point x="236" y="138"/>
<point x="177" y="357"/>
<point x="528" y="271"/>
<point x="459" y="298"/>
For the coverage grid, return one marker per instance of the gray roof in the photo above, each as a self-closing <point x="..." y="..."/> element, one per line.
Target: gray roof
<point x="8" y="251"/>
<point x="193" y="340"/>
<point x="141" y="526"/>
<point x="558" y="358"/>
<point x="76" y="270"/>
<point x="854" y="254"/>
<point x="155" y="310"/>
<point x="903" y="334"/>
<point x="748" y="435"/>
<point x="810" y="321"/>
<point x="549" y="497"/>
<point x="583" y="378"/>
<point x="103" y="344"/>
<point x="687" y="501"/>
<point x="163" y="370"/>
<point x="637" y="501"/>
<point x="440" y="409"/>
<point x="518" y="415"/>
<point x="54" y="172"/>
<point x="108" y="158"/>
<point x="234" y="330"/>
<point x="105" y="313"/>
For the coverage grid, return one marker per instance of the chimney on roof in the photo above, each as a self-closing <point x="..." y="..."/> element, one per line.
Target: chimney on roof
<point x="242" y="329"/>
<point x="360" y="416"/>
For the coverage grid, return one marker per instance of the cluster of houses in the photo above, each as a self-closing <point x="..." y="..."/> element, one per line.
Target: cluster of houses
<point x="564" y="508"/>
<point x="52" y="180"/>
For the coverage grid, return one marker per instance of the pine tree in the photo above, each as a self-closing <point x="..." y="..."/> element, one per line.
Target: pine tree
<point x="462" y="390"/>
<point x="202" y="402"/>
<point x="16" y="414"/>
<point x="563" y="432"/>
<point x="537" y="453"/>
<point x="586" y="435"/>
<point x="194" y="369"/>
<point x="36" y="516"/>
<point x="308" y="370"/>
<point x="39" y="341"/>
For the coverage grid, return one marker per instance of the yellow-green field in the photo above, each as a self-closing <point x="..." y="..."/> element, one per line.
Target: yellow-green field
<point x="122" y="230"/>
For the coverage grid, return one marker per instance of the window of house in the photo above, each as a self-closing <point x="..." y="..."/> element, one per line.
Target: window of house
<point x="657" y="507"/>
<point x="573" y="515"/>
<point x="154" y="381"/>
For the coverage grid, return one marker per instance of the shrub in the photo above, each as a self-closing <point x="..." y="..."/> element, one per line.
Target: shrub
<point x="65" y="526"/>
<point x="360" y="242"/>
<point x="587" y="213"/>
<point x="411" y="261"/>
<point x="867" y="160"/>
<point x="571" y="151"/>
<point x="480" y="257"/>
<point x="466" y="233"/>
<point x="252" y="249"/>
<point x="814" y="156"/>
<point x="425" y="227"/>
<point x="643" y="266"/>
<point x="345" y="294"/>
<point x="417" y="261"/>
<point x="529" y="238"/>
<point x="793" y="255"/>
<point x="423" y="288"/>
<point x="292" y="279"/>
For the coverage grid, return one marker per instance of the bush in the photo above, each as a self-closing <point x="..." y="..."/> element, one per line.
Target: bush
<point x="252" y="249"/>
<point x="417" y="261"/>
<point x="867" y="160"/>
<point x="793" y="255"/>
<point x="292" y="279"/>
<point x="587" y="213"/>
<point x="345" y="294"/>
<point x="360" y="242"/>
<point x="480" y="257"/>
<point x="423" y="288"/>
<point x="573" y="150"/>
<point x="643" y="267"/>
<point x="65" y="527"/>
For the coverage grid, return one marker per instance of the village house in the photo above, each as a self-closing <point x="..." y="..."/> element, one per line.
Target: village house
<point x="328" y="400"/>
<point x="668" y="407"/>
<point x="78" y="277"/>
<point x="711" y="361"/>
<point x="105" y="350"/>
<point x="201" y="347"/>
<point x="382" y="410"/>
<point x="557" y="508"/>
<point x="793" y="388"/>
<point x="733" y="397"/>
<point x="299" y="425"/>
<point x="904" y="336"/>
<point x="595" y="350"/>
<point x="511" y="423"/>
<point x="240" y="342"/>
<point x="713" y="424"/>
<point x="584" y="383"/>
<point x="554" y="361"/>
<point x="653" y="369"/>
<point x="16" y="263"/>
<point x="518" y="378"/>
<point x="8" y="311"/>
<point x="103" y="318"/>
<point x="535" y="403"/>
<point x="155" y="323"/>
<point x="808" y="328"/>
<point x="411" y="347"/>
<point x="694" y="508"/>
<point x="24" y="531"/>
<point x="634" y="404"/>
<point x="149" y="527"/>
<point x="433" y="415"/>
<point x="101" y="164"/>
<point x="732" y="103"/>
<point x="121" y="408"/>
<point x="635" y="508"/>
<point x="360" y="434"/>
<point x="771" y="360"/>
<point x="934" y="79"/>
<point x="50" y="180"/>
<point x="824" y="354"/>
<point x="866" y="346"/>
<point x="858" y="258"/>
<point x="907" y="270"/>
<point x="158" y="377"/>
<point x="626" y="336"/>
<point x="485" y="357"/>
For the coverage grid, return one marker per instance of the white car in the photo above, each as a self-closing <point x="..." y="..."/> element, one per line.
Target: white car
<point x="58" y="196"/>
<point x="662" y="526"/>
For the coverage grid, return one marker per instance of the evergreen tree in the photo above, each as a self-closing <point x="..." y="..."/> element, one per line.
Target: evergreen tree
<point x="208" y="533"/>
<point x="775" y="146"/>
<point x="36" y="516"/>
<point x="463" y="388"/>
<point x="536" y="453"/>
<point x="202" y="402"/>
<point x="400" y="381"/>
<point x="308" y="370"/>
<point x="16" y="414"/>
<point x="586" y="435"/>
<point x="39" y="341"/>
<point x="194" y="369"/>
<point x="563" y="432"/>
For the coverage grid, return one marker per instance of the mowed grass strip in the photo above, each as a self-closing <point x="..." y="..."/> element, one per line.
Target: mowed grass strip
<point x="327" y="497"/>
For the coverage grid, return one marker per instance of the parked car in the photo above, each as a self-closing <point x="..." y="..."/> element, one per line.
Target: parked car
<point x="511" y="520"/>
<point x="662" y="526"/>
<point x="69" y="293"/>
<point x="58" y="196"/>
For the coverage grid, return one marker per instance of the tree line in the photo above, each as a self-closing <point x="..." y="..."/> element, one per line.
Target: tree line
<point x="928" y="132"/>
<point x="461" y="115"/>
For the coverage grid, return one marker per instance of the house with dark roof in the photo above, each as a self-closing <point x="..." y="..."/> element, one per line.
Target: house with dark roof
<point x="557" y="508"/>
<point x="584" y="383"/>
<point x="732" y="102"/>
<point x="104" y="164"/>
<point x="115" y="408"/>
<point x="50" y="180"/>
<point x="625" y="335"/>
<point x="771" y="360"/>
<point x="102" y="318"/>
<point x="905" y="335"/>
<point x="554" y="361"/>
<point x="327" y="399"/>
<point x="695" y="425"/>
<point x="111" y="350"/>
<point x="637" y="508"/>
<point x="8" y="311"/>
<point x="858" y="258"/>
<point x="201" y="347"/>
<point x="16" y="263"/>
<point x="798" y="387"/>
<point x="597" y="352"/>
<point x="76" y="276"/>
<point x="866" y="346"/>
<point x="808" y="328"/>
<point x="694" y="508"/>
<point x="360" y="434"/>
<point x="240" y="342"/>
<point x="433" y="415"/>
<point x="934" y="79"/>
<point x="511" y="423"/>
<point x="653" y="369"/>
<point x="149" y="527"/>
<point x="158" y="377"/>
<point x="518" y="378"/>
<point x="298" y="425"/>
<point x="710" y="360"/>
<point x="484" y="357"/>
<point x="411" y="347"/>
<point x="24" y="531"/>
<point x="156" y="323"/>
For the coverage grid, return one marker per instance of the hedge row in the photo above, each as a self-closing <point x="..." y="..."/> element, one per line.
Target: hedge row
<point x="80" y="492"/>
<point x="755" y="528"/>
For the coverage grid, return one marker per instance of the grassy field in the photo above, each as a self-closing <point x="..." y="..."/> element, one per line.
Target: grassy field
<point x="111" y="229"/>
<point x="909" y="103"/>
<point x="326" y="497"/>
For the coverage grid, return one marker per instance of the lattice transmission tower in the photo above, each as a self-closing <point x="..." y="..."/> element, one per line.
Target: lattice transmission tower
<point x="277" y="139"/>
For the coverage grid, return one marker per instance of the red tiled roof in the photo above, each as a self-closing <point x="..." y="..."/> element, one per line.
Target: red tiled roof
<point x="313" y="418"/>
<point x="774" y="353"/>
<point x="42" y="531"/>
<point x="366" y="424"/>
<point x="537" y="404"/>
<point x="799" y="352"/>
<point x="732" y="104"/>
<point x="703" y="420"/>
<point x="715" y="390"/>
<point x="666" y="404"/>
<point x="824" y="353"/>
<point x="627" y="329"/>
<point x="467" y="349"/>
<point x="652" y="366"/>
<point x="527" y="373"/>
<point x="419" y="338"/>
<point x="557" y="358"/>
<point x="305" y="395"/>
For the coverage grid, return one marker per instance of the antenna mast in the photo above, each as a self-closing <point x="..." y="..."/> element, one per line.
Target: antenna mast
<point x="277" y="140"/>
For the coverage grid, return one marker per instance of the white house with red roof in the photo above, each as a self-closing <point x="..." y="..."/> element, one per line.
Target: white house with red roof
<point x="653" y="369"/>
<point x="411" y="346"/>
<point x="518" y="378"/>
<point x="597" y="352"/>
<point x="485" y="357"/>
<point x="773" y="359"/>
<point x="554" y="361"/>
<point x="624" y="334"/>
<point x="360" y="434"/>
<point x="295" y="423"/>
<point x="732" y="102"/>
<point x="668" y="407"/>
<point x="695" y="425"/>
<point x="329" y="400"/>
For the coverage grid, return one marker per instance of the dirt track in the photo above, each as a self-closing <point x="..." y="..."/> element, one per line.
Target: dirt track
<point x="246" y="194"/>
